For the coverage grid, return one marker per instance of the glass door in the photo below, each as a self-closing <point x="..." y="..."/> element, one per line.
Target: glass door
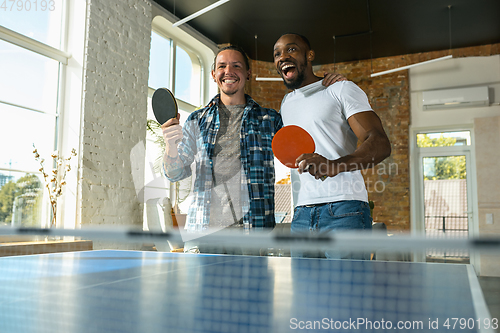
<point x="445" y="191"/>
<point x="445" y="203"/>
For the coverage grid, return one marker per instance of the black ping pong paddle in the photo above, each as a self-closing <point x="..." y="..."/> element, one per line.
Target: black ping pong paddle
<point x="164" y="105"/>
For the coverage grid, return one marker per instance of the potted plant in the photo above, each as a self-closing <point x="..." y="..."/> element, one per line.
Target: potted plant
<point x="55" y="180"/>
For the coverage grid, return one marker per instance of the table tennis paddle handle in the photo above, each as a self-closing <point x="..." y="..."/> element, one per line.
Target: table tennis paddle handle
<point x="322" y="177"/>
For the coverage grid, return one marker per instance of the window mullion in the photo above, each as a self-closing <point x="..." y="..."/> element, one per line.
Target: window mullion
<point x="26" y="108"/>
<point x="63" y="43"/>
<point x="173" y="54"/>
<point x="33" y="45"/>
<point x="58" y="134"/>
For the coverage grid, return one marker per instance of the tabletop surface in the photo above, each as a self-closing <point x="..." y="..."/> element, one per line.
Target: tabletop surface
<point x="133" y="291"/>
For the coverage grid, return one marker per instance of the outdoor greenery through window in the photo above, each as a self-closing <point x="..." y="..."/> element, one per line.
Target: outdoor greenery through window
<point x="447" y="167"/>
<point x="443" y="139"/>
<point x="445" y="189"/>
<point x="29" y="95"/>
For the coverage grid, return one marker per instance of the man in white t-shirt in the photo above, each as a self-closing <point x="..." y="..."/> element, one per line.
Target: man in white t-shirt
<point x="337" y="117"/>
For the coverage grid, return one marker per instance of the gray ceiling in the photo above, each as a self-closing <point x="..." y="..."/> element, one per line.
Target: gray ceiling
<point x="364" y="29"/>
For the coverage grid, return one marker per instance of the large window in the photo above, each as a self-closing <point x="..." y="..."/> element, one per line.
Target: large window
<point x="32" y="61"/>
<point x="180" y="63"/>
<point x="188" y="76"/>
<point x="159" y="61"/>
<point x="38" y="20"/>
<point x="175" y="67"/>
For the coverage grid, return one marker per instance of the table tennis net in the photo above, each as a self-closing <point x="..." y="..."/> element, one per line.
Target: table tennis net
<point x="377" y="244"/>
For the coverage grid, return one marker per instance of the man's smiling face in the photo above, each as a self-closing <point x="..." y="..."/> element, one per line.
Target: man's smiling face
<point x="290" y="59"/>
<point x="230" y="72"/>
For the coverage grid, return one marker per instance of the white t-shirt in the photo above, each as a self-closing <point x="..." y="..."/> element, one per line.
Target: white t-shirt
<point x="323" y="112"/>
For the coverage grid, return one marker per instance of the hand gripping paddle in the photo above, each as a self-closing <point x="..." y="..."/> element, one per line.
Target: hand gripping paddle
<point x="290" y="142"/>
<point x="164" y="105"/>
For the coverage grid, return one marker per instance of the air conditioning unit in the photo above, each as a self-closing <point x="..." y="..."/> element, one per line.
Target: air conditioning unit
<point x="455" y="98"/>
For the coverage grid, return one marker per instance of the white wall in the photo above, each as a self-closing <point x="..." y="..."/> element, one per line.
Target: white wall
<point x="454" y="73"/>
<point x="114" y="111"/>
<point x="488" y="178"/>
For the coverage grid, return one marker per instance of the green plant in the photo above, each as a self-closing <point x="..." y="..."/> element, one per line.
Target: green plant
<point x="20" y="201"/>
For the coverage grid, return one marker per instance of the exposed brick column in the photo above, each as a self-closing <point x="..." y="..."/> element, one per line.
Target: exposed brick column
<point x="115" y="106"/>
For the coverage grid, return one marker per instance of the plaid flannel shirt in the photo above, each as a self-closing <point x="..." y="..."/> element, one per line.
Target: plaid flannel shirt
<point x="257" y="131"/>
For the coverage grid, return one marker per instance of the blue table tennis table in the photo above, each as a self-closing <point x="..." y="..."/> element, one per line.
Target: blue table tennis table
<point x="134" y="291"/>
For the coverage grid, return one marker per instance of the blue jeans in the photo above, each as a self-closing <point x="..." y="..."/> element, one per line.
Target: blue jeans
<point x="325" y="219"/>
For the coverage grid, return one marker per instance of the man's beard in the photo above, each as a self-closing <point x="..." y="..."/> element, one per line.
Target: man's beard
<point x="297" y="82"/>
<point x="229" y="92"/>
<point x="301" y="76"/>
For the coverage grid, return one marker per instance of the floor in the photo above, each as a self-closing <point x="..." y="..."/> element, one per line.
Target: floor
<point x="491" y="291"/>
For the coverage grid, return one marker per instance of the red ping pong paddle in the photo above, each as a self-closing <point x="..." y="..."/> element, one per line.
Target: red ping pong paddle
<point x="290" y="142"/>
<point x="164" y="105"/>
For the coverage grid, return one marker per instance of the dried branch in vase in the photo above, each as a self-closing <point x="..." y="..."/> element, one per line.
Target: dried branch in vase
<point x="57" y="178"/>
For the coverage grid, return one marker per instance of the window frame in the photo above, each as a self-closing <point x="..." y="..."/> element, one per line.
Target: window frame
<point x="191" y="41"/>
<point x="67" y="113"/>
<point x="63" y="58"/>
<point x="416" y="185"/>
<point x="185" y="105"/>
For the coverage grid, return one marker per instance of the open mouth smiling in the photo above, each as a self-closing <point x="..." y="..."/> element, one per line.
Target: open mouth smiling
<point x="288" y="70"/>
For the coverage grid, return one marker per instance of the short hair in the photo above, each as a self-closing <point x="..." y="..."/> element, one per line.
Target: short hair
<point x="304" y="38"/>
<point x="234" y="48"/>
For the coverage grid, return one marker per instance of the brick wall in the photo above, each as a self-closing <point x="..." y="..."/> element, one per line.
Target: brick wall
<point x="267" y="93"/>
<point x="114" y="115"/>
<point x="389" y="182"/>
